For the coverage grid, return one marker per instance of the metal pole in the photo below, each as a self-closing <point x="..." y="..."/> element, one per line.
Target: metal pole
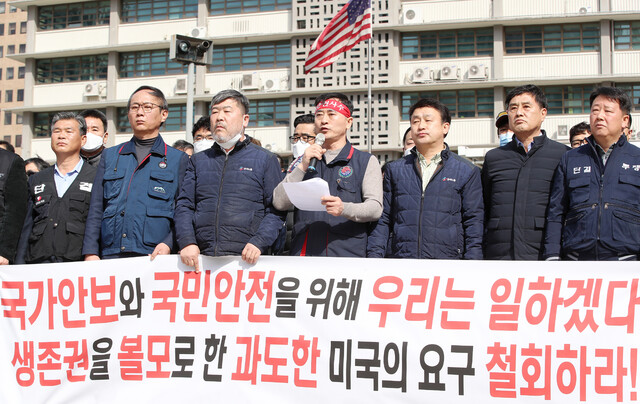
<point x="191" y="78"/>
<point x="369" y="106"/>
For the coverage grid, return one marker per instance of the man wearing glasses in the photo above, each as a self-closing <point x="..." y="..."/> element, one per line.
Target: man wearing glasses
<point x="136" y="186"/>
<point x="303" y="137"/>
<point x="578" y="134"/>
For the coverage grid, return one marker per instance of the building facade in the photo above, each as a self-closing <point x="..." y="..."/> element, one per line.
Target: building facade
<point x="467" y="53"/>
<point x="13" y="41"/>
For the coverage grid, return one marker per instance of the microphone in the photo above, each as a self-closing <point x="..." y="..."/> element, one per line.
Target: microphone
<point x="312" y="164"/>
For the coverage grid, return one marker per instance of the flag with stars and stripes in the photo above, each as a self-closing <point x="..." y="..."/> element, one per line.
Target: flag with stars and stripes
<point x="350" y="26"/>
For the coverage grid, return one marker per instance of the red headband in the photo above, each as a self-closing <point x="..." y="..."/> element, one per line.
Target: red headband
<point x="336" y="106"/>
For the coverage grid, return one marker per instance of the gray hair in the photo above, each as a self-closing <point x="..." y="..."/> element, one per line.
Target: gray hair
<point x="236" y="95"/>
<point x="63" y="116"/>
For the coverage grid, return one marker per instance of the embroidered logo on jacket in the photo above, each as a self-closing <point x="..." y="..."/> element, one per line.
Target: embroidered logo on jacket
<point x="159" y="190"/>
<point x="38" y="189"/>
<point x="246" y="169"/>
<point x="625" y="166"/>
<point x="86" y="186"/>
<point x="345" y="172"/>
<point x="448" y="179"/>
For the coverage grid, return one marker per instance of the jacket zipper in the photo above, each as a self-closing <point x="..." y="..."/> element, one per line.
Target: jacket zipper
<point x="224" y="167"/>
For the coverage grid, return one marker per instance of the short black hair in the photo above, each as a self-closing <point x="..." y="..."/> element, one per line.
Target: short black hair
<point x="406" y="133"/>
<point x="306" y="118"/>
<point x="445" y="115"/>
<point x="8" y="146"/>
<point x="156" y="92"/>
<point x="338" y="96"/>
<point x="64" y="116"/>
<point x="234" y="94"/>
<point x="535" y="91"/>
<point x="40" y="163"/>
<point x="203" y="122"/>
<point x="578" y="129"/>
<point x="182" y="145"/>
<point x="614" y="94"/>
<point x="94" y="113"/>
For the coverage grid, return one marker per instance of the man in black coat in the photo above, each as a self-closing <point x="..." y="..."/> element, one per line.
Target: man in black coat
<point x="59" y="198"/>
<point x="517" y="178"/>
<point x="13" y="203"/>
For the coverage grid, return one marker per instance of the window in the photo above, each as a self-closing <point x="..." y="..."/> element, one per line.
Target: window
<point x="3" y="7"/>
<point x="269" y="112"/>
<point x="176" y="121"/>
<point x="626" y="35"/>
<point x="1" y="51"/>
<point x="251" y="57"/>
<point x="13" y="9"/>
<point x="447" y="44"/>
<point x="12" y="28"/>
<point x="7" y="138"/>
<point x="1" y="29"/>
<point x="7" y="118"/>
<point x="151" y="10"/>
<point x="11" y="49"/>
<point x="19" y="137"/>
<point x="23" y="27"/>
<point x="149" y="63"/>
<point x="22" y="48"/>
<point x="73" y="15"/>
<point x="219" y="7"/>
<point x="21" y="72"/>
<point x="77" y="68"/>
<point x="461" y="103"/>
<point x="18" y="119"/>
<point x="20" y="95"/>
<point x="8" y="96"/>
<point x="565" y="100"/>
<point x="552" y="38"/>
<point x="633" y="91"/>
<point x="9" y="73"/>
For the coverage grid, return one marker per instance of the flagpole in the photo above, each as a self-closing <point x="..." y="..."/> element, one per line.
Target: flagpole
<point x="370" y="108"/>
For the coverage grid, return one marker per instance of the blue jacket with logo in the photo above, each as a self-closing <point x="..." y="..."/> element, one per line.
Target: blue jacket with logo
<point x="132" y="204"/>
<point x="226" y="200"/>
<point x="593" y="206"/>
<point x="321" y="234"/>
<point x="445" y="221"/>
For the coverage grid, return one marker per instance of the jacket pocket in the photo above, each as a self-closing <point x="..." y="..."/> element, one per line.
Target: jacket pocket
<point x="579" y="189"/>
<point x="37" y="230"/>
<point x="628" y="189"/>
<point x="161" y="185"/>
<point x="157" y="225"/>
<point x="112" y="184"/>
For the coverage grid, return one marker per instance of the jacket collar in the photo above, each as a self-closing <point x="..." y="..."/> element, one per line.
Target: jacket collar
<point x="444" y="154"/>
<point x="159" y="147"/>
<point x="538" y="142"/>
<point x="241" y="144"/>
<point x="345" y="154"/>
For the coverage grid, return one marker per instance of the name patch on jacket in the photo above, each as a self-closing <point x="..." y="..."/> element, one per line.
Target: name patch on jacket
<point x="86" y="186"/>
<point x="448" y="179"/>
<point x="246" y="169"/>
<point x="636" y="167"/>
<point x="38" y="189"/>
<point x="345" y="172"/>
<point x="585" y="169"/>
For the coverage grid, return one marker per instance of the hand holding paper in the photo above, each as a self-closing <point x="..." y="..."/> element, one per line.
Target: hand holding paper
<point x="306" y="195"/>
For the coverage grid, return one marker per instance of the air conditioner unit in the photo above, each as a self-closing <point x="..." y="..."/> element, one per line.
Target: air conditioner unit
<point x="449" y="73"/>
<point x="584" y="10"/>
<point x="271" y="85"/>
<point x="181" y="86"/>
<point x="478" y="72"/>
<point x="421" y="75"/>
<point x="94" y="89"/>
<point x="250" y="81"/>
<point x="198" y="32"/>
<point x="278" y="83"/>
<point x="411" y="15"/>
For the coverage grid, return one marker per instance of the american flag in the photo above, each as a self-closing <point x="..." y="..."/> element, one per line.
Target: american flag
<point x="350" y="26"/>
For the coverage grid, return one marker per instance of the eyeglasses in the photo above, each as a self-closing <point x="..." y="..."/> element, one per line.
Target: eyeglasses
<point x="580" y="142"/>
<point x="147" y="107"/>
<point x="305" y="138"/>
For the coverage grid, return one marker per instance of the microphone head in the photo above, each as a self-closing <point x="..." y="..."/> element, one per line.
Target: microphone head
<point x="320" y="139"/>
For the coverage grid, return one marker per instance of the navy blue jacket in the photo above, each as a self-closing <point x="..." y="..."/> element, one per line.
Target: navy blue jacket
<point x="594" y="207"/>
<point x="225" y="201"/>
<point x="516" y="187"/>
<point x="321" y="234"/>
<point x="132" y="204"/>
<point x="446" y="221"/>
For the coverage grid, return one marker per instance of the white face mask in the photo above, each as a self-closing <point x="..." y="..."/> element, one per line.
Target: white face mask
<point x="229" y="143"/>
<point x="202" y="145"/>
<point x="94" y="142"/>
<point x="298" y="148"/>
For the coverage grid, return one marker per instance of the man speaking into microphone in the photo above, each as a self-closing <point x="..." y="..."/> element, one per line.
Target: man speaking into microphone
<point x="355" y="185"/>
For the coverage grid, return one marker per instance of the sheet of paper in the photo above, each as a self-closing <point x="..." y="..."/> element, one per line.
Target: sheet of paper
<point x="306" y="195"/>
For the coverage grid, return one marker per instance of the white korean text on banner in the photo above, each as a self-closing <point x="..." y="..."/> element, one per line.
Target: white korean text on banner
<point x="317" y="330"/>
